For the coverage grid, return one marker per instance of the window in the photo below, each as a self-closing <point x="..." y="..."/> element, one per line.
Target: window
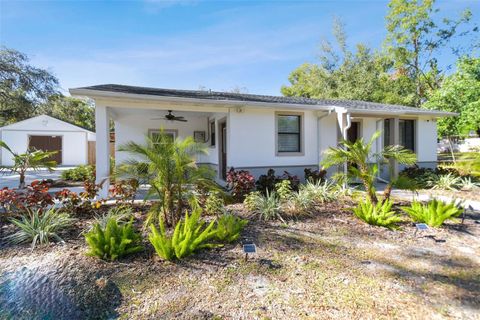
<point x="154" y="134"/>
<point x="289" y="137"/>
<point x="407" y="134"/>
<point x="212" y="133"/>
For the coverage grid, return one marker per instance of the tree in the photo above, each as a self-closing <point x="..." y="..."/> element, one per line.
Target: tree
<point x="75" y="111"/>
<point x="23" y="88"/>
<point x="342" y="74"/>
<point x="169" y="166"/>
<point x="415" y="37"/>
<point x="460" y="92"/>
<point x="358" y="157"/>
<point x="31" y="159"/>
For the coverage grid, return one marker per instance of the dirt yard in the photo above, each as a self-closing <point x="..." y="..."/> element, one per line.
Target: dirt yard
<point x="329" y="266"/>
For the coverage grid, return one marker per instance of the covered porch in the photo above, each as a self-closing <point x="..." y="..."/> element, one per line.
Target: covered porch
<point x="134" y="124"/>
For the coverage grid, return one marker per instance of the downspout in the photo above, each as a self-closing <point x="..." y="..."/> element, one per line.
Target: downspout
<point x="319" y="118"/>
<point x="345" y="130"/>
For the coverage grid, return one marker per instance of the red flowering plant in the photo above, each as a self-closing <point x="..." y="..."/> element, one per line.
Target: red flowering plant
<point x="240" y="183"/>
<point x="8" y="199"/>
<point x="69" y="200"/>
<point x="124" y="190"/>
<point x="34" y="197"/>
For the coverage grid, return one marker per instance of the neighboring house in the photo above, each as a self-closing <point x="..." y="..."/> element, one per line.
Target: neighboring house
<point x="255" y="132"/>
<point x="49" y="134"/>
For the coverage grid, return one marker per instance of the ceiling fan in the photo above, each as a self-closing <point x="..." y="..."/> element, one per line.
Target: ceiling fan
<point x="171" y="117"/>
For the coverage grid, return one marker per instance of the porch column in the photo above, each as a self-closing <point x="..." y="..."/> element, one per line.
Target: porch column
<point x="395" y="140"/>
<point x="102" y="149"/>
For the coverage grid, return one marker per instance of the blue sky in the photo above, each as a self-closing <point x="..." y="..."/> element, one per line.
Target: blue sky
<point x="186" y="44"/>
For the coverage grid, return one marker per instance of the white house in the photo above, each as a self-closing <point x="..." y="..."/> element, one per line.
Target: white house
<point x="47" y="133"/>
<point x="255" y="132"/>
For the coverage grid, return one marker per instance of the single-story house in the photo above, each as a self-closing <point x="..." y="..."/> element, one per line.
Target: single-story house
<point x="255" y="132"/>
<point x="49" y="134"/>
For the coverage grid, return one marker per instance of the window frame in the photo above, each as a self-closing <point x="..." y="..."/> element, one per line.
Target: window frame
<point x="174" y="132"/>
<point x="301" y="134"/>
<point x="414" y="134"/>
<point x="212" y="125"/>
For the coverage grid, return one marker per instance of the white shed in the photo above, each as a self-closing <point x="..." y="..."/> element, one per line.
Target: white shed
<point x="47" y="133"/>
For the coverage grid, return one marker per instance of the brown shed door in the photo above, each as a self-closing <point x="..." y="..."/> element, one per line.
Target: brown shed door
<point x="47" y="143"/>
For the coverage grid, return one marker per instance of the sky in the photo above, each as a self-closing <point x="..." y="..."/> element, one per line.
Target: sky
<point x="190" y="44"/>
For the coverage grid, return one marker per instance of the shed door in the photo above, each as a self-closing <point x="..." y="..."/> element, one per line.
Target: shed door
<point x="47" y="143"/>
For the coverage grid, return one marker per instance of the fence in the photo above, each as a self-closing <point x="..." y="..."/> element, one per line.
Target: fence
<point x="91" y="151"/>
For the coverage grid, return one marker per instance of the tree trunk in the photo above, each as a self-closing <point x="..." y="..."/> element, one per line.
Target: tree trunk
<point x="22" y="180"/>
<point x="387" y="193"/>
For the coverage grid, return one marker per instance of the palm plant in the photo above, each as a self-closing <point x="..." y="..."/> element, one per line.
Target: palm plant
<point x="169" y="167"/>
<point x="358" y="156"/>
<point x="31" y="159"/>
<point x="380" y="214"/>
<point x="434" y="213"/>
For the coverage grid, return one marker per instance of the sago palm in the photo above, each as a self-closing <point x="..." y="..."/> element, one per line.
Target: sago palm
<point x="31" y="159"/>
<point x="362" y="162"/>
<point x="169" y="166"/>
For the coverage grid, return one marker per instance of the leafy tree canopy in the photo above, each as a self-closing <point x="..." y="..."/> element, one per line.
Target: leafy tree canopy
<point x="27" y="91"/>
<point x="22" y="87"/>
<point x="460" y="92"/>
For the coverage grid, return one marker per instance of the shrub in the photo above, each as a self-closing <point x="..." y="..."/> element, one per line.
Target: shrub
<point x="320" y="192"/>
<point x="114" y="240"/>
<point x="80" y="173"/>
<point x="188" y="237"/>
<point x="240" y="183"/>
<point x="444" y="182"/>
<point x="380" y="214"/>
<point x="124" y="190"/>
<point x="8" y="198"/>
<point x="40" y="226"/>
<point x="284" y="190"/>
<point x="267" y="206"/>
<point x="229" y="228"/>
<point x="34" y="197"/>
<point x="315" y="176"/>
<point x="468" y="184"/>
<point x="121" y="214"/>
<point x="299" y="203"/>
<point x="434" y="213"/>
<point x="69" y="200"/>
<point x="214" y="204"/>
<point x="267" y="182"/>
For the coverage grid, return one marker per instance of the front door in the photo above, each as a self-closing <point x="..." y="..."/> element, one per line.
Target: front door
<point x="223" y="150"/>
<point x="353" y="133"/>
<point x="47" y="143"/>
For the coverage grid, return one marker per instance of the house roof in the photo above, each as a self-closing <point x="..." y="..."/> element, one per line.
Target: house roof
<point x="27" y="124"/>
<point x="351" y="105"/>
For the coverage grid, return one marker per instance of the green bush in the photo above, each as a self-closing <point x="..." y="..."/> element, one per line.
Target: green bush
<point x="214" y="204"/>
<point x="321" y="192"/>
<point x="433" y="213"/>
<point x="114" y="240"/>
<point x="445" y="182"/>
<point x="189" y="236"/>
<point x="80" y="173"/>
<point x="40" y="226"/>
<point x="267" y="206"/>
<point x="378" y="215"/>
<point x="229" y="228"/>
<point x="284" y="190"/>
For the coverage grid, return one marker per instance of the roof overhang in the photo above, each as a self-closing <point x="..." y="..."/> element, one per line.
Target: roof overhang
<point x="114" y="99"/>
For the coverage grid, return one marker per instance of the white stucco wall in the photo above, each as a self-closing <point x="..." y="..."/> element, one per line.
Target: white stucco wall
<point x="426" y="140"/>
<point x="74" y="145"/>
<point x="252" y="140"/>
<point x="134" y="127"/>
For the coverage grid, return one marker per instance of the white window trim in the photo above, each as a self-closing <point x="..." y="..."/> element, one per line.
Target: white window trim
<point x="302" y="134"/>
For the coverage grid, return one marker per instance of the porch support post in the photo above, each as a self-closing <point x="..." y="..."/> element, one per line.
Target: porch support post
<point x="395" y="137"/>
<point x="102" y="125"/>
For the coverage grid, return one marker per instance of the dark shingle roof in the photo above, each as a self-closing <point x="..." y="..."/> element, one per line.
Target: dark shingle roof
<point x="245" y="97"/>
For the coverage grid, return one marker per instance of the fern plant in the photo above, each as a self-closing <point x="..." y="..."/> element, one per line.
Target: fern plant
<point x="380" y="214"/>
<point x="114" y="240"/>
<point x="229" y="228"/>
<point x="189" y="236"/>
<point x="40" y="226"/>
<point x="433" y="213"/>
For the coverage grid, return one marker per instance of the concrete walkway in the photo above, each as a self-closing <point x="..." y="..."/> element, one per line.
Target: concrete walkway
<point x="410" y="196"/>
<point x="12" y="180"/>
